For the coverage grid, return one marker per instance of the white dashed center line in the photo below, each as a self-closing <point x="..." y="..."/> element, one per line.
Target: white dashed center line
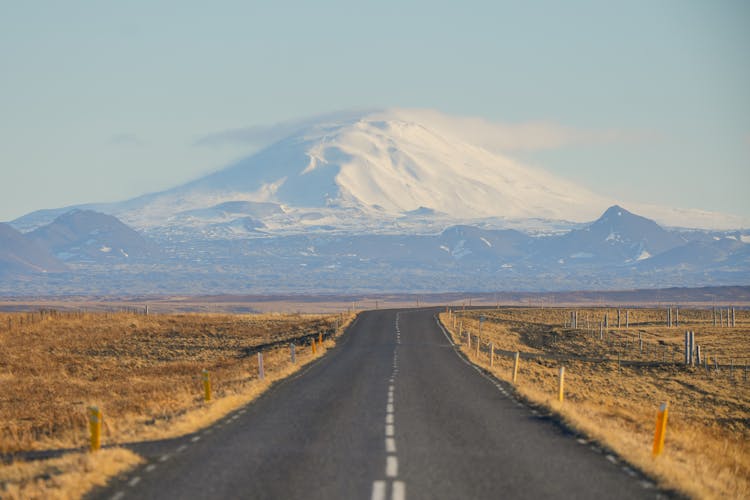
<point x="398" y="488"/>
<point x="378" y="490"/>
<point x="391" y="466"/>
<point x="390" y="445"/>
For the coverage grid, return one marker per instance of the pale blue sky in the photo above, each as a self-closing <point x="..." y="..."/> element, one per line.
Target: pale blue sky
<point x="101" y="101"/>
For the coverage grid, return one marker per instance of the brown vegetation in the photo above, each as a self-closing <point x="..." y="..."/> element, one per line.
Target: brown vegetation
<point x="142" y="371"/>
<point x="707" y="454"/>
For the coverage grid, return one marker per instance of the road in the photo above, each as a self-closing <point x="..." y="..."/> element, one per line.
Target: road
<point x="394" y="411"/>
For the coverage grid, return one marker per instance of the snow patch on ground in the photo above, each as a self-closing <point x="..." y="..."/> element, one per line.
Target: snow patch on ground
<point x="614" y="236"/>
<point x="643" y="255"/>
<point x="582" y="255"/>
<point x="460" y="251"/>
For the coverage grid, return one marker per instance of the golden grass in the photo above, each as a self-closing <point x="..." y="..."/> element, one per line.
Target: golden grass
<point x="142" y="371"/>
<point x="707" y="453"/>
<point x="67" y="477"/>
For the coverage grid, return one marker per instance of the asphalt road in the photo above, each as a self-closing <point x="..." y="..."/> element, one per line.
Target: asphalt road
<point x="392" y="412"/>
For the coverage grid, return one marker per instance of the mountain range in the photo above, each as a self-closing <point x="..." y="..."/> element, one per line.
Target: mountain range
<point x="83" y="251"/>
<point x="379" y="201"/>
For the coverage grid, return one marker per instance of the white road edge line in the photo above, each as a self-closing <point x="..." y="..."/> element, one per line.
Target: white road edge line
<point x="150" y="467"/>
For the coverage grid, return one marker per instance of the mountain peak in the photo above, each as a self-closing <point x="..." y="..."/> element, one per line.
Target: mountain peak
<point x="92" y="236"/>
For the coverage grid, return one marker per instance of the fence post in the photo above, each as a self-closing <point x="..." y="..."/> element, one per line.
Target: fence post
<point x="292" y="353"/>
<point x="627" y="318"/>
<point x="515" y="365"/>
<point x="676" y="315"/>
<point x="492" y="354"/>
<point x="661" y="429"/>
<point x="261" y="370"/>
<point x="478" y="344"/>
<point x="95" y="428"/>
<point x="692" y="347"/>
<point x="206" y="385"/>
<point x="314" y="350"/>
<point x="618" y="318"/>
<point x="561" y="385"/>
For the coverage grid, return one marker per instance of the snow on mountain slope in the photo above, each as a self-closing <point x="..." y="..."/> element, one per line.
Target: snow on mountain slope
<point x="382" y="163"/>
<point x="392" y="170"/>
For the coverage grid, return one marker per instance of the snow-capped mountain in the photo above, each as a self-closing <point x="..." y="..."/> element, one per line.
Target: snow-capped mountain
<point x="394" y="171"/>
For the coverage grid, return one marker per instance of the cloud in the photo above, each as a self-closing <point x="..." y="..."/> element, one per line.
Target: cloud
<point x="262" y="135"/>
<point x="491" y="135"/>
<point x="126" y="140"/>
<point x="525" y="136"/>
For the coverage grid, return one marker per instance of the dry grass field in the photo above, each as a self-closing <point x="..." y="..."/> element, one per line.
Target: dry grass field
<point x="142" y="371"/>
<point x="707" y="452"/>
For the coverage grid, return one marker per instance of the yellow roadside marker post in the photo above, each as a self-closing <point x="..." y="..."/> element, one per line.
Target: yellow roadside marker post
<point x="516" y="356"/>
<point x="314" y="350"/>
<point x="206" y="385"/>
<point x="661" y="429"/>
<point x="95" y="428"/>
<point x="561" y="385"/>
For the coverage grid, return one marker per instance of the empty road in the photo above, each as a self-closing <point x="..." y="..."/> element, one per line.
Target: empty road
<point x="392" y="412"/>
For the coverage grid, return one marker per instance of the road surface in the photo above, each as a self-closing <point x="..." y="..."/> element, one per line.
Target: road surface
<point x="392" y="412"/>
